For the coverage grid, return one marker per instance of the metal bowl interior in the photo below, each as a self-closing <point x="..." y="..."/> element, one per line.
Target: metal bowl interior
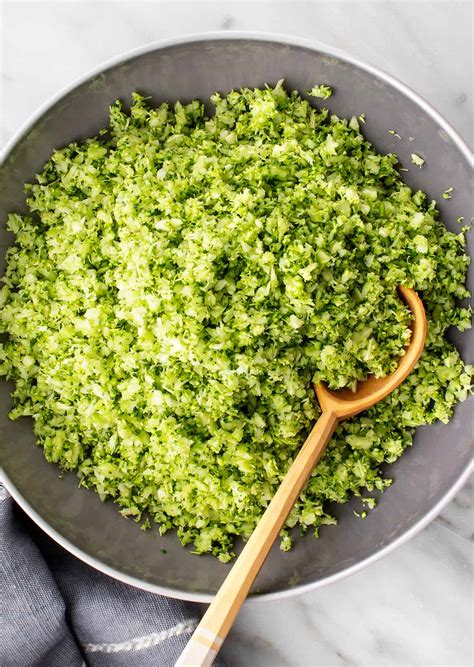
<point x="428" y="473"/>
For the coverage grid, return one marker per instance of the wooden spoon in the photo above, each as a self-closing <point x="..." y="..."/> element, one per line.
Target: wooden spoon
<point x="208" y="637"/>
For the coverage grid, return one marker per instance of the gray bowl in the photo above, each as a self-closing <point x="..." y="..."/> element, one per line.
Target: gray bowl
<point x="427" y="475"/>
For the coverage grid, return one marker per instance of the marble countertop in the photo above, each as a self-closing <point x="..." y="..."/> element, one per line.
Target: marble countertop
<point x="414" y="606"/>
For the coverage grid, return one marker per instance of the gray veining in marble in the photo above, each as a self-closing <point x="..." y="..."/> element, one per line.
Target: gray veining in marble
<point x="414" y="606"/>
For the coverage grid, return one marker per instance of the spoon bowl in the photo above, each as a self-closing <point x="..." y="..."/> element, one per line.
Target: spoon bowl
<point x="347" y="403"/>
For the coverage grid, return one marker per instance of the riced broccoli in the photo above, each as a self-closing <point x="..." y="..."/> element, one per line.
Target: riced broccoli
<point x="181" y="281"/>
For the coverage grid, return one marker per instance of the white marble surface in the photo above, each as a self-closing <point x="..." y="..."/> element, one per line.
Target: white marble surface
<point x="414" y="606"/>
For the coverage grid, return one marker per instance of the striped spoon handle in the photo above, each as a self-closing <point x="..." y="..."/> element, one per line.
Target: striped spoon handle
<point x="208" y="637"/>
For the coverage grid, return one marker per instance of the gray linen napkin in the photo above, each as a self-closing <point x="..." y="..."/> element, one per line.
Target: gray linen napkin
<point x="55" y="611"/>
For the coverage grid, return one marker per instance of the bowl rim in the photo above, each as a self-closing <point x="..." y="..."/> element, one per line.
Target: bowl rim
<point x="231" y="35"/>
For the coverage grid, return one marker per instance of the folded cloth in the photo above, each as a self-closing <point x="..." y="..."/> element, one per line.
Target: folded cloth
<point x="55" y="611"/>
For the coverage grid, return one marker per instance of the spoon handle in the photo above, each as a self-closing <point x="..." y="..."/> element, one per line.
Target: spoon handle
<point x="208" y="637"/>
